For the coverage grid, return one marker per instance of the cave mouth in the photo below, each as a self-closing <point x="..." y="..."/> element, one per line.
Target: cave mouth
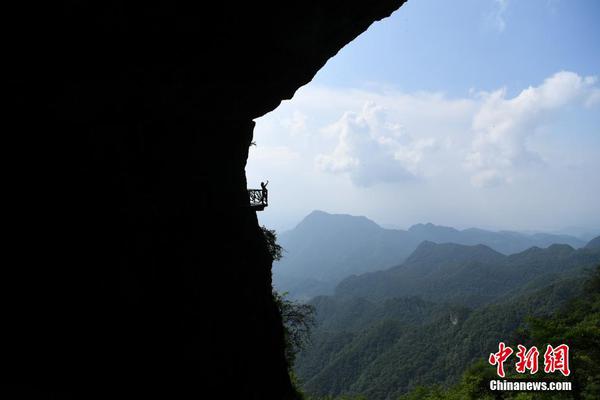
<point x="285" y="152"/>
<point x="138" y="268"/>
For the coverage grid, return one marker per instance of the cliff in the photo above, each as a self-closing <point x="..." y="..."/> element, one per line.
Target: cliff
<point x="138" y="269"/>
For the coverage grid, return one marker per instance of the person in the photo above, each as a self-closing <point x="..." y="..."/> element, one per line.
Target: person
<point x="263" y="185"/>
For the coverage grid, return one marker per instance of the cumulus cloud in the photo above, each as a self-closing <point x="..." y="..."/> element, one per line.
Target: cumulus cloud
<point x="386" y="136"/>
<point x="372" y="149"/>
<point x="502" y="126"/>
<point x="429" y="156"/>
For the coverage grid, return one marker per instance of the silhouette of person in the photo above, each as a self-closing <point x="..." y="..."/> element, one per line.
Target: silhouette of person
<point x="263" y="185"/>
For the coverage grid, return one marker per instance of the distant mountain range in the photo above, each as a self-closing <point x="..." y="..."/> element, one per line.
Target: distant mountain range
<point x="422" y="322"/>
<point x="469" y="275"/>
<point x="325" y="248"/>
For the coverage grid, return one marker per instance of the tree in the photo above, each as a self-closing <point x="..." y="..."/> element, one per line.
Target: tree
<point x="297" y="318"/>
<point x="275" y="250"/>
<point x="579" y="326"/>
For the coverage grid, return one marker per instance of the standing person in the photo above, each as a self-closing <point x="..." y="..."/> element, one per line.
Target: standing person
<point x="263" y="185"/>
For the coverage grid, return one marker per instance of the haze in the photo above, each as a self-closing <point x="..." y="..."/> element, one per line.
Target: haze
<point x="466" y="113"/>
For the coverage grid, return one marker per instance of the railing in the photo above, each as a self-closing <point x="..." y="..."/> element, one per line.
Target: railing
<point x="258" y="198"/>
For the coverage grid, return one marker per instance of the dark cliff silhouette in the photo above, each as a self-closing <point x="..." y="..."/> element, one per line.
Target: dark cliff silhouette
<point x="136" y="267"/>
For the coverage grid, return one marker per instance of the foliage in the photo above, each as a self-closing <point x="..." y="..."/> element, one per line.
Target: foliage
<point x="342" y="397"/>
<point x="275" y="250"/>
<point x="384" y="348"/>
<point x="577" y="324"/>
<point x="298" y="319"/>
<point x="469" y="275"/>
<point x="377" y="339"/>
<point x="393" y="352"/>
<point x="472" y="386"/>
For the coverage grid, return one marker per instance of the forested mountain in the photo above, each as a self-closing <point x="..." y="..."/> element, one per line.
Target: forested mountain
<point x="471" y="297"/>
<point x="326" y="248"/>
<point x="471" y="275"/>
<point x="577" y="324"/>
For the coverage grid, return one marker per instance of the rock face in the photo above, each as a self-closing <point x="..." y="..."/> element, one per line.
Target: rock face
<point x="140" y="270"/>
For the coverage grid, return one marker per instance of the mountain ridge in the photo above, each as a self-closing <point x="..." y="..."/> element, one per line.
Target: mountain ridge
<point x="434" y="268"/>
<point x="323" y="249"/>
<point x="416" y="324"/>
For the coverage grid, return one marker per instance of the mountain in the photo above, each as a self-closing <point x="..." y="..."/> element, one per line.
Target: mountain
<point x="582" y="233"/>
<point x="593" y="244"/>
<point x="422" y="322"/>
<point x="506" y="242"/>
<point x="325" y="248"/>
<point x="577" y="322"/>
<point x="391" y="355"/>
<point x="470" y="275"/>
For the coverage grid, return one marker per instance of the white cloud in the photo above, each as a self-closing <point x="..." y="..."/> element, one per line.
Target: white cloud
<point x="502" y="126"/>
<point x="385" y="136"/>
<point x="296" y="124"/>
<point x="275" y="155"/>
<point x="372" y="149"/>
<point x="488" y="178"/>
<point x="497" y="17"/>
<point x="428" y="157"/>
<point x="593" y="98"/>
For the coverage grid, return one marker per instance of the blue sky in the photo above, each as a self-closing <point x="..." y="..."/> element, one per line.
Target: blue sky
<point x="465" y="113"/>
<point x="457" y="45"/>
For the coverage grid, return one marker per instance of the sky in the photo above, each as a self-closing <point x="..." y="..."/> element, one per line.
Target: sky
<point x="470" y="113"/>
